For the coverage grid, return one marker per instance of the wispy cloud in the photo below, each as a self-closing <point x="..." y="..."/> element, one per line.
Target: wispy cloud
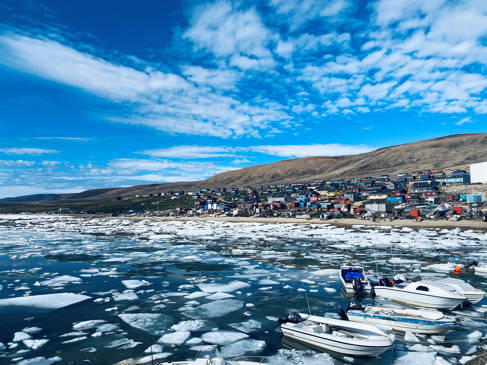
<point x="73" y="139"/>
<point x="311" y="150"/>
<point x="464" y="121"/>
<point x="16" y="163"/>
<point x="26" y="151"/>
<point x="192" y="152"/>
<point x="161" y="100"/>
<point x="208" y="152"/>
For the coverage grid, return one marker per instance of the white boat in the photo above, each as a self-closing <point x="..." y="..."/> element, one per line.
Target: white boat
<point x="481" y="270"/>
<point x="353" y="279"/>
<point x="430" y="321"/>
<point x="423" y="293"/>
<point x="473" y="295"/>
<point x="344" y="337"/>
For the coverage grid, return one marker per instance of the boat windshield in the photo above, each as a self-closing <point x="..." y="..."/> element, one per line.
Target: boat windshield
<point x="350" y="274"/>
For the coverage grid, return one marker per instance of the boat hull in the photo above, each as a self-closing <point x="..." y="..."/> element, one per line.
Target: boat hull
<point x="403" y="324"/>
<point x="334" y="345"/>
<point x="418" y="299"/>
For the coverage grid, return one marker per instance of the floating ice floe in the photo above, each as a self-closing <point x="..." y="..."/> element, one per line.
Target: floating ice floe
<point x="248" y="326"/>
<point x="20" y="336"/>
<point x="123" y="344"/>
<point x="134" y="284"/>
<point x="223" y="337"/>
<point x="40" y="303"/>
<point x="191" y="325"/>
<point x="224" y="288"/>
<point x="243" y="347"/>
<point x="126" y="295"/>
<point x="217" y="308"/>
<point x="35" y="344"/>
<point x="60" y="281"/>
<point x="40" y="361"/>
<point x="174" y="338"/>
<point x="155" y="323"/>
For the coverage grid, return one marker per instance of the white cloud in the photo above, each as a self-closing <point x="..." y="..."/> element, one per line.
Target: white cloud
<point x="464" y="121"/>
<point x="26" y="151"/>
<point x="227" y="31"/>
<point x="73" y="139"/>
<point x="158" y="100"/>
<point x="333" y="149"/>
<point x="16" y="163"/>
<point x="50" y="163"/>
<point x="191" y="152"/>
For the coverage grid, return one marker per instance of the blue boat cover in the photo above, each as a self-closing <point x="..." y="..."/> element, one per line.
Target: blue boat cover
<point x="350" y="274"/>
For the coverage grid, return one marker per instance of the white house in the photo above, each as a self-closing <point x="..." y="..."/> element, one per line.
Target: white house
<point x="478" y="173"/>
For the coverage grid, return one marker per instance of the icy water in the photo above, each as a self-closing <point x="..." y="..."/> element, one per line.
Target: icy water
<point x="187" y="286"/>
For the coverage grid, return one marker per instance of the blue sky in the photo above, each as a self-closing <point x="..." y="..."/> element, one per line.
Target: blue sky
<point x="117" y="93"/>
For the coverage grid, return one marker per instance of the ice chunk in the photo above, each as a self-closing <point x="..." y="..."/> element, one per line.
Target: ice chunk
<point x="40" y="303"/>
<point x="446" y="350"/>
<point x="155" y="348"/>
<point x="86" y="325"/>
<point x="35" y="344"/>
<point x="123" y="344"/>
<point x="32" y="330"/>
<point x="126" y="295"/>
<point x="20" y="336"/>
<point x="174" y="338"/>
<point x="193" y="325"/>
<point x="223" y="337"/>
<point x="196" y="294"/>
<point x="409" y="337"/>
<point x="248" y="326"/>
<point x="59" y="281"/>
<point x="474" y="337"/>
<point x="326" y="272"/>
<point x="224" y="288"/>
<point x="155" y="323"/>
<point x="423" y="358"/>
<point x="76" y="339"/>
<point x="40" y="361"/>
<point x="134" y="284"/>
<point x="219" y="296"/>
<point x="217" y="308"/>
<point x="244" y="347"/>
<point x="267" y="282"/>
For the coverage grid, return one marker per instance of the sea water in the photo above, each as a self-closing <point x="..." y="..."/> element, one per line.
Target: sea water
<point x="100" y="291"/>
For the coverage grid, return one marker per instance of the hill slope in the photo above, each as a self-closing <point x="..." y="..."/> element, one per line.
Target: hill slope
<point x="455" y="151"/>
<point x="444" y="152"/>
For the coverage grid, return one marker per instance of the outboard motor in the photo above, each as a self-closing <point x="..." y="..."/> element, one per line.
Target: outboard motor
<point x="385" y="282"/>
<point x="399" y="278"/>
<point x="473" y="263"/>
<point x="292" y="317"/>
<point x="358" y="287"/>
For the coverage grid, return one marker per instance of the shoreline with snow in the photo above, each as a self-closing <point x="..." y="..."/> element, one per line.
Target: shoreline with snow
<point x="342" y="222"/>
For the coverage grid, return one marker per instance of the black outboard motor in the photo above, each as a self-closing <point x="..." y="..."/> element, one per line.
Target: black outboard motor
<point x="292" y="317"/>
<point x="385" y="282"/>
<point x="473" y="263"/>
<point x="358" y="287"/>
